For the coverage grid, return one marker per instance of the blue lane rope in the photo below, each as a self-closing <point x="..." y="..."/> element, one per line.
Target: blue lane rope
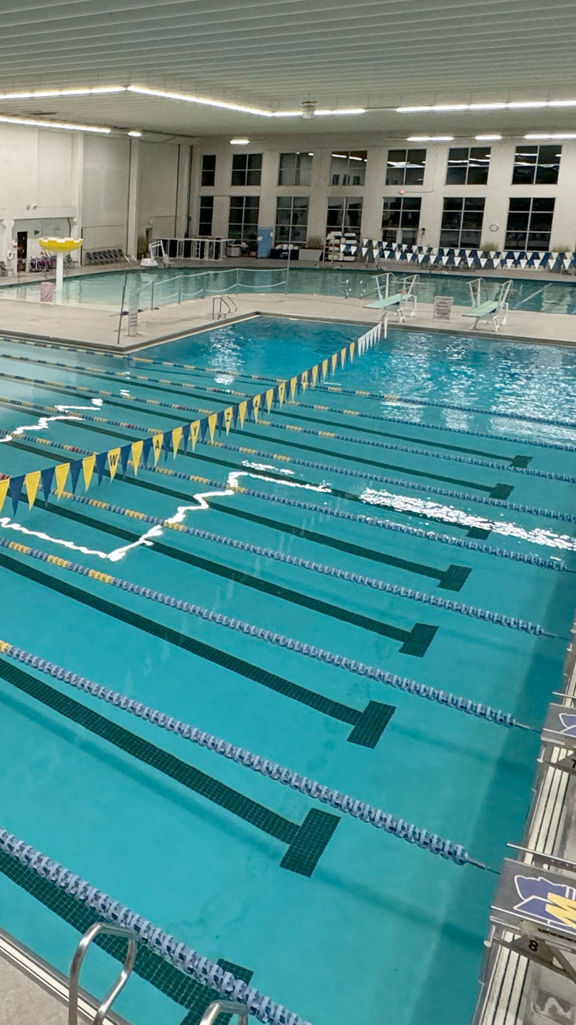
<point x="499" y="619"/>
<point x="349" y="665"/>
<point x="343" y="803"/>
<point x="183" y="957"/>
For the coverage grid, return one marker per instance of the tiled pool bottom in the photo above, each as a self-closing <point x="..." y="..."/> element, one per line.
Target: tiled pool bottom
<point x="385" y="919"/>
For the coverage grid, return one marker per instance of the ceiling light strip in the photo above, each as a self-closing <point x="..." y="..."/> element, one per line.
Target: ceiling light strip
<point x="69" y="126"/>
<point x="507" y="105"/>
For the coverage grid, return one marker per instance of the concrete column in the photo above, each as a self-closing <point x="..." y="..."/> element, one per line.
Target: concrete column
<point x="182" y="190"/>
<point x="133" y="192"/>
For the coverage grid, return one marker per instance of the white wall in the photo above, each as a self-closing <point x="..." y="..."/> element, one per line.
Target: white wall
<point x="497" y="192"/>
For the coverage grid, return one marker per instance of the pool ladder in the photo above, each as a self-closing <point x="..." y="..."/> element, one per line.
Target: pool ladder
<point x="221" y="305"/>
<point x="108" y="929"/>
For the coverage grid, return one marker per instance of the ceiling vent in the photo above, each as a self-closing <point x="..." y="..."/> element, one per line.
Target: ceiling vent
<point x="308" y="109"/>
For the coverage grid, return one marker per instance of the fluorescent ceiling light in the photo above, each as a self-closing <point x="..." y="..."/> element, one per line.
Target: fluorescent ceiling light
<point x="342" y="111"/>
<point x="47" y="93"/>
<point x="430" y="138"/>
<point x="551" y="135"/>
<point x="143" y="90"/>
<point x="487" y="138"/>
<point x="239" y="142"/>
<point x="135" y="135"/>
<point x="35" y="122"/>
<point x="503" y="105"/>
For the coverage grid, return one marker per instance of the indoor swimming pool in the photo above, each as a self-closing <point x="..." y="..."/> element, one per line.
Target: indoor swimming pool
<point x="410" y="518"/>
<point x="161" y="287"/>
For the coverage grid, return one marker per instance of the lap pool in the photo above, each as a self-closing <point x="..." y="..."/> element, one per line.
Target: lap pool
<point x="412" y="513"/>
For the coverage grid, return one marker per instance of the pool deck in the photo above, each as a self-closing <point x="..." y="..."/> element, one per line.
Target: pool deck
<point x="99" y="326"/>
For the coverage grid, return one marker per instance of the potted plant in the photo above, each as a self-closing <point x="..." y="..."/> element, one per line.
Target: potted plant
<point x="312" y="251"/>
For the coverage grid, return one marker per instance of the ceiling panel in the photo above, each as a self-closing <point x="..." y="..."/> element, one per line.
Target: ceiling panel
<point x="372" y="53"/>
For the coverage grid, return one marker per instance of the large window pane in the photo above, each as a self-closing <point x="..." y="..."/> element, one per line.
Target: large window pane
<point x="243" y="219"/>
<point x="344" y="214"/>
<point x="529" y="223"/>
<point x="291" y="218"/>
<point x="536" y="165"/>
<point x="468" y="165"/>
<point x="405" y="166"/>
<point x="348" y="167"/>
<point x="462" y="222"/>
<point x="295" y="168"/>
<point x="401" y="214"/>
<point x="246" y="168"/>
<point x="208" y="169"/>
<point x="206" y="215"/>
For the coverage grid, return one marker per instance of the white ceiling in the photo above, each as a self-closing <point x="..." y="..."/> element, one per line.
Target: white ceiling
<point x="271" y="54"/>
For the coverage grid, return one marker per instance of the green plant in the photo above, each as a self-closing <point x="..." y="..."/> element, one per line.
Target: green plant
<point x="141" y="246"/>
<point x="561" y="247"/>
<point x="314" y="242"/>
<point x="488" y="247"/>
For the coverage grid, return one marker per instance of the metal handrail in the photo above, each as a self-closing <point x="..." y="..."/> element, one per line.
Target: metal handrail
<point x="224" y="1007"/>
<point x="221" y="303"/>
<point x="100" y="928"/>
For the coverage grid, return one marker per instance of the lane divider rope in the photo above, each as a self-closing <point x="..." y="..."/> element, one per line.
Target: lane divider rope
<point x="343" y="803"/>
<point x="404" y="683"/>
<point x="183" y="957"/>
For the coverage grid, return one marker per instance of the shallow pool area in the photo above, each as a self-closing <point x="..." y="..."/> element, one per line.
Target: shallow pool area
<point x="370" y="583"/>
<point x="161" y="287"/>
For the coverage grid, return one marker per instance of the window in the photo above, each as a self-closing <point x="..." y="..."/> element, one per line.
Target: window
<point x="405" y="166"/>
<point x="291" y="218"/>
<point x="401" y="214"/>
<point x="536" y="165"/>
<point x="529" y="224"/>
<point x="348" y="167"/>
<point x="206" y="214"/>
<point x="243" y="221"/>
<point x="246" y="168"/>
<point x="344" y="215"/>
<point x="208" y="169"/>
<point x="462" y="222"/>
<point x="295" y="168"/>
<point x="468" y="165"/>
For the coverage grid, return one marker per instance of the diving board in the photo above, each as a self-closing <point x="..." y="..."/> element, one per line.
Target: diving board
<point x="402" y="302"/>
<point x="494" y="309"/>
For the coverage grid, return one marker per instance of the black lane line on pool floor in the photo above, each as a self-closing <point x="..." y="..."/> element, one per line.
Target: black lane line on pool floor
<point x="305" y="841"/>
<point x="415" y="641"/>
<point x="150" y="967"/>
<point x="226" y="396"/>
<point x="368" y="724"/>
<point x="451" y="579"/>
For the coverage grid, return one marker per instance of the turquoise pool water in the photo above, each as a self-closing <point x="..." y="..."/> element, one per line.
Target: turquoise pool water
<point x="159" y="287"/>
<point x="376" y="923"/>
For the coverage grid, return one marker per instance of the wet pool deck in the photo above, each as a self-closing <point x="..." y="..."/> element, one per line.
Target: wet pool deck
<point x="98" y="326"/>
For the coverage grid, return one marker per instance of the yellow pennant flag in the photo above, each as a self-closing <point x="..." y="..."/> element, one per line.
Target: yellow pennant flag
<point x="157" y="442"/>
<point x="136" y="449"/>
<point x="314" y="376"/>
<point x="228" y="414"/>
<point x="256" y="405"/>
<point x="324" y="368"/>
<point x="113" y="460"/>
<point x="61" y="473"/>
<point x="3" y="490"/>
<point x="304" y="380"/>
<point x="242" y="406"/>
<point x="176" y="439"/>
<point x="194" y="428"/>
<point x="342" y="356"/>
<point x="333" y="361"/>
<point x="351" y="350"/>
<point x="212" y="424"/>
<point x="293" y="382"/>
<point x="281" y="392"/>
<point x="31" y="483"/>
<point x="269" y="399"/>
<point x="88" y="469"/>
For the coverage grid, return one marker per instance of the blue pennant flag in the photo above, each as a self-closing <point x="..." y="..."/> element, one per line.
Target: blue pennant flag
<point x="46" y="477"/>
<point x="125" y="453"/>
<point x="15" y="490"/>
<point x="75" y="471"/>
<point x="101" y="460"/>
<point x="146" y="450"/>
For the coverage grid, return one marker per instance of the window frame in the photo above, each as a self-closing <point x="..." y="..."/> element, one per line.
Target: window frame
<point x="345" y="228"/>
<point x="402" y="211"/>
<point x="529" y="211"/>
<point x="406" y="177"/>
<point x="469" y="166"/>
<point x="293" y="229"/>
<point x="210" y="171"/>
<point x="352" y="157"/>
<point x="205" y="200"/>
<point x="297" y="169"/>
<point x="536" y="179"/>
<point x="461" y="229"/>
<point x="248" y="202"/>
<point x="252" y="166"/>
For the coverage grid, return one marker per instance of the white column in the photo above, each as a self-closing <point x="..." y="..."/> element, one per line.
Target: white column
<point x="59" y="277"/>
<point x="133" y="191"/>
<point x="182" y="190"/>
<point x="77" y="192"/>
